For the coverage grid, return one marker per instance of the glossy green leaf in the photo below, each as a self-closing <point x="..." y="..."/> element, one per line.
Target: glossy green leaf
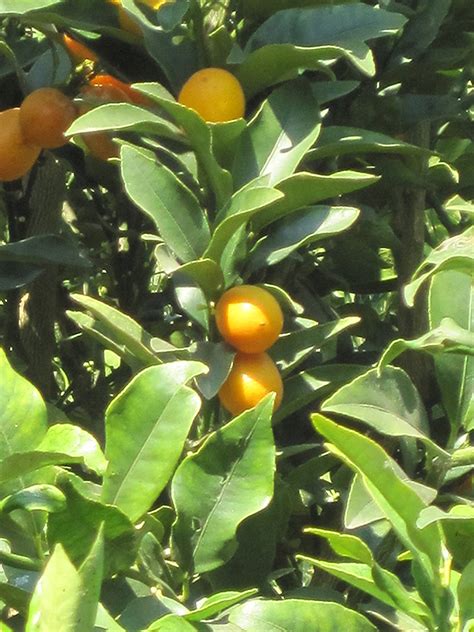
<point x="199" y="136"/>
<point x="77" y="442"/>
<point x="278" y="137"/>
<point x="293" y="348"/>
<point x="218" y="357"/>
<point x="125" y="334"/>
<point x="361" y="509"/>
<point x="274" y="63"/>
<point x="206" y="273"/>
<point x="13" y="7"/>
<point x="345" y="545"/>
<point x="465" y="592"/>
<point x="388" y="403"/>
<point x="297" y="615"/>
<point x="303" y="388"/>
<point x="340" y="141"/>
<point x="20" y="464"/>
<point x="23" y="415"/>
<point x="192" y="300"/>
<point x="400" y="504"/>
<point x="300" y="229"/>
<point x="65" y="598"/>
<point x="447" y="338"/>
<point x="346" y="26"/>
<point x="44" y="250"/>
<point x="455" y="374"/>
<point x="35" y="498"/>
<point x="75" y="529"/>
<point x="305" y="189"/>
<point x="14" y="275"/>
<point x="171" y="623"/>
<point x="173" y="208"/>
<point x="456" y="253"/>
<point x="146" y="427"/>
<point x="124" y="117"/>
<point x="211" y="488"/>
<point x="210" y="606"/>
<point x="244" y="205"/>
<point x="356" y="574"/>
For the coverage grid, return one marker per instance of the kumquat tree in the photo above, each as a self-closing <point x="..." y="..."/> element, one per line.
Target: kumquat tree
<point x="236" y="315"/>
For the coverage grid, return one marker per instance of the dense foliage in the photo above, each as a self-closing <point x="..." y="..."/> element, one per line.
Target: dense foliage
<point x="130" y="498"/>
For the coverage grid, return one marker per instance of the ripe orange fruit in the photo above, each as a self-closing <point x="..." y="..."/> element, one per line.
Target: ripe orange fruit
<point x="16" y="155"/>
<point x="79" y="52"/>
<point x="45" y="115"/>
<point x="251" y="378"/>
<point x="215" y="94"/>
<point x="249" y="318"/>
<point x="100" y="144"/>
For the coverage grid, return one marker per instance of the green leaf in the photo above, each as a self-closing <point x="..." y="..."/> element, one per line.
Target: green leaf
<point x="346" y="26"/>
<point x="340" y="141"/>
<point x="305" y="387"/>
<point x="13" y="7"/>
<point x="76" y="529"/>
<point x="211" y="488"/>
<point x="455" y="374"/>
<point x="173" y="208"/>
<point x="355" y="574"/>
<point x="399" y="502"/>
<point x="45" y="250"/>
<point x="361" y="509"/>
<point x="420" y="32"/>
<point x="297" y="615"/>
<point x="210" y="606"/>
<point x="447" y="338"/>
<point x="245" y="204"/>
<point x="126" y="336"/>
<point x="191" y="299"/>
<point x="278" y="137"/>
<point x="199" y="136"/>
<point x="15" y="275"/>
<point x="305" y="189"/>
<point x="275" y="63"/>
<point x="20" y="464"/>
<point x="218" y="357"/>
<point x="293" y="348"/>
<point x="65" y="598"/>
<point x="298" y="230"/>
<point x="146" y="427"/>
<point x="124" y="117"/>
<point x="171" y="623"/>
<point x="35" y="498"/>
<point x="389" y="403"/>
<point x="456" y="253"/>
<point x="77" y="442"/>
<point x="345" y="545"/>
<point x="23" y="416"/>
<point x="206" y="273"/>
<point x="465" y="592"/>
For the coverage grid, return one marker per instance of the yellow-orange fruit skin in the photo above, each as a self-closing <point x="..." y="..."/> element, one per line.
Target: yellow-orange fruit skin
<point x="251" y="378"/>
<point x="249" y="318"/>
<point x="215" y="94"/>
<point x="45" y="115"/>
<point x="16" y="156"/>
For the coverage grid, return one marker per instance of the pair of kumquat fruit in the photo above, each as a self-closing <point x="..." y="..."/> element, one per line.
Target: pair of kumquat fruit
<point x="39" y="123"/>
<point x="250" y="319"/>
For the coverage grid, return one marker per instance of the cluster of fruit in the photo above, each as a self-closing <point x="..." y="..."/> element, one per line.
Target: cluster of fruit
<point x="250" y="319"/>
<point x="45" y="114"/>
